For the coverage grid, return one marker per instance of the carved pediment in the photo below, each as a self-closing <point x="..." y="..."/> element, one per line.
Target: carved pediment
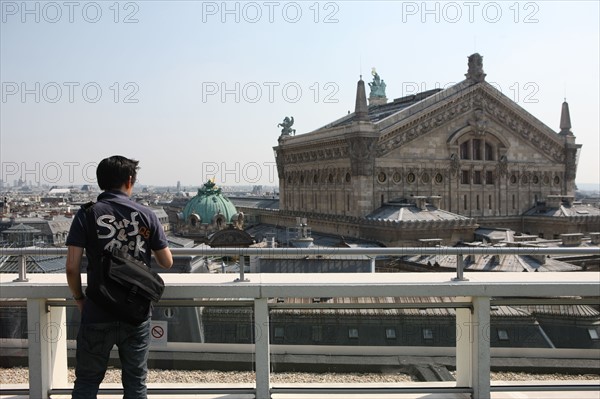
<point x="483" y="105"/>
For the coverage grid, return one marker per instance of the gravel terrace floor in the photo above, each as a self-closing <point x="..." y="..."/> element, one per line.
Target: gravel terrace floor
<point x="19" y="375"/>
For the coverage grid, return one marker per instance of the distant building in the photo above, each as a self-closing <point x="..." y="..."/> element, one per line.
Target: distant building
<point x="211" y="218"/>
<point x="510" y="326"/>
<point x="51" y="230"/>
<point x="467" y="150"/>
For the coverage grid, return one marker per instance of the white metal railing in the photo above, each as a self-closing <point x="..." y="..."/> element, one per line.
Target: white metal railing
<point x="460" y="253"/>
<point x="47" y="355"/>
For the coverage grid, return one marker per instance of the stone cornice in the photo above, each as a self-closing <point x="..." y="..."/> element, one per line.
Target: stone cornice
<point x="332" y="150"/>
<point x="316" y="136"/>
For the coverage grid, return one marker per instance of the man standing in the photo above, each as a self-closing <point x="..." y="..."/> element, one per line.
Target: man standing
<point x="121" y="223"/>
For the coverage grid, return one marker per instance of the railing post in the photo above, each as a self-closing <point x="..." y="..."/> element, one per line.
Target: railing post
<point x="480" y="352"/>
<point x="57" y="341"/>
<point x="22" y="269"/>
<point x="47" y="342"/>
<point x="473" y="347"/>
<point x="463" y="345"/>
<point x="39" y="359"/>
<point x="263" y="355"/>
<point x="460" y="265"/>
<point x="242" y="267"/>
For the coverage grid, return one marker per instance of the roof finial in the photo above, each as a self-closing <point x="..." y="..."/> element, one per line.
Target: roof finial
<point x="565" y="120"/>
<point x="475" y="72"/>
<point x="361" y="110"/>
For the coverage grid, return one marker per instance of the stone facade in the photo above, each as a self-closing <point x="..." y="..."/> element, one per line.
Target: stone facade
<point x="470" y="145"/>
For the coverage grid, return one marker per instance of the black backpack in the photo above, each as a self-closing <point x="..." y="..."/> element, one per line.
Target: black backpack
<point x="119" y="283"/>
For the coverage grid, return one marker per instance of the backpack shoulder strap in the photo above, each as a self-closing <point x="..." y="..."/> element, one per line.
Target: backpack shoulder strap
<point x="91" y="228"/>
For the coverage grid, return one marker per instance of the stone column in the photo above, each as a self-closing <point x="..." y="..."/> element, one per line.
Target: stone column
<point x="361" y="148"/>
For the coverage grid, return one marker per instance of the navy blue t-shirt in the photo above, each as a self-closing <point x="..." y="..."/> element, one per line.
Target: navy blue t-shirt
<point x="120" y="223"/>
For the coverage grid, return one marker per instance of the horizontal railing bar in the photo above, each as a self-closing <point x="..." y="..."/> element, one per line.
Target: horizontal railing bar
<point x="169" y="302"/>
<point x="545" y="387"/>
<point x="414" y="305"/>
<point x="370" y="390"/>
<point x="330" y="251"/>
<point x="12" y="391"/>
<point x="164" y="391"/>
<point x="332" y="390"/>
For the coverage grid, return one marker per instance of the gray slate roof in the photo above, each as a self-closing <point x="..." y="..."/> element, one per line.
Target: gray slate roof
<point x="406" y="212"/>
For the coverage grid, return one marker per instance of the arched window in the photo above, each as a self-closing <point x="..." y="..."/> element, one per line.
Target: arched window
<point x="478" y="155"/>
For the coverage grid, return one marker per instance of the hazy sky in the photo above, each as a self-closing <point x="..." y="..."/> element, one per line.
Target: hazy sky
<point x="195" y="89"/>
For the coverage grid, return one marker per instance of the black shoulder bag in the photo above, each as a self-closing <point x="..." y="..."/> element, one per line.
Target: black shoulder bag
<point x="119" y="283"/>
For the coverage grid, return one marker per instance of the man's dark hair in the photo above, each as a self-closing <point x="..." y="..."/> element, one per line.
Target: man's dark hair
<point x="114" y="171"/>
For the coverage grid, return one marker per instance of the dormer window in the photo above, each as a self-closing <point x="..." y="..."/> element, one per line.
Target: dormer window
<point x="194" y="219"/>
<point x="502" y="335"/>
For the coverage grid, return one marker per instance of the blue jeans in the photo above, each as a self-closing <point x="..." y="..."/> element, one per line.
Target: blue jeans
<point x="94" y="343"/>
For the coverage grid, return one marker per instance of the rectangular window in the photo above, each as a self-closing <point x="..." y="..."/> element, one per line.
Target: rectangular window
<point x="427" y="333"/>
<point x="593" y="333"/>
<point x="489" y="177"/>
<point x="477" y="150"/>
<point x="465" y="202"/>
<point x="503" y="335"/>
<point x="465" y="177"/>
<point x="477" y="177"/>
<point x="279" y="332"/>
<point x="489" y="202"/>
<point x="390" y="333"/>
<point x="514" y="206"/>
<point x="464" y="150"/>
<point x="353" y="333"/>
<point x="477" y="201"/>
<point x="489" y="152"/>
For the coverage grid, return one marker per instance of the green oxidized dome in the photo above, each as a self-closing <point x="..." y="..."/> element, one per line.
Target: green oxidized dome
<point x="208" y="203"/>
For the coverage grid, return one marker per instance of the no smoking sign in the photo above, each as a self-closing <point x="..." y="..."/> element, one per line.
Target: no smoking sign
<point x="158" y="333"/>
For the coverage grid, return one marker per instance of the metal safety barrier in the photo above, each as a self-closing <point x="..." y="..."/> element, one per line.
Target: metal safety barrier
<point x="45" y="296"/>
